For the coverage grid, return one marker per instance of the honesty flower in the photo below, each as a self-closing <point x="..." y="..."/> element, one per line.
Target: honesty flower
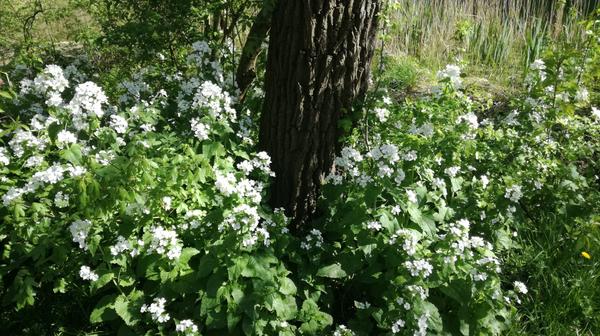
<point x="520" y="287"/>
<point x="187" y="327"/>
<point x="397" y="326"/>
<point x="4" y="157"/>
<point x="65" y="137"/>
<point x="538" y="64"/>
<point x="51" y="79"/>
<point x="88" y="99"/>
<point x="412" y="196"/>
<point x="87" y="274"/>
<point x="596" y="113"/>
<point x="157" y="310"/>
<point x="452" y="73"/>
<point x="118" y="123"/>
<point x="79" y="230"/>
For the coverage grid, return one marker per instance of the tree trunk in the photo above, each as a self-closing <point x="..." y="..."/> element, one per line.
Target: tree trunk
<point x="318" y="64"/>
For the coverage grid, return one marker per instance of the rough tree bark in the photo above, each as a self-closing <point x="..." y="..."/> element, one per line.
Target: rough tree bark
<point x="318" y="64"/>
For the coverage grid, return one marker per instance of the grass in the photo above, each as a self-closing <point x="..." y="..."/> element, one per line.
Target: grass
<point x="492" y="38"/>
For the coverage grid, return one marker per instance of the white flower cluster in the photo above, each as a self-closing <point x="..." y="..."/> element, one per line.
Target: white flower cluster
<point x="382" y="114"/>
<point x="87" y="274"/>
<point x="426" y="129"/>
<point x="514" y="193"/>
<point x="225" y="183"/>
<point x="342" y="330"/>
<point x="200" y="130"/>
<point x="216" y="101"/>
<point x="397" y="326"/>
<point x="187" y="327"/>
<point x="64" y="138"/>
<point x="121" y="246"/>
<point x="22" y="140"/>
<point x="165" y="242"/>
<point x="157" y="310"/>
<point x="50" y="81"/>
<point x="314" y="239"/>
<point x="470" y="119"/>
<point x="200" y="49"/>
<point x="119" y="124"/>
<point x="79" y="231"/>
<point x="51" y="175"/>
<point x="245" y="220"/>
<point x="262" y="162"/>
<point x="452" y="73"/>
<point x="374" y="226"/>
<point x="4" y="157"/>
<point x="520" y="287"/>
<point x="87" y="101"/>
<point x="410" y="240"/>
<point x="421" y="268"/>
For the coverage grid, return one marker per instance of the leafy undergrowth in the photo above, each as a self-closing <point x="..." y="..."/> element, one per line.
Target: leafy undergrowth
<point x="138" y="209"/>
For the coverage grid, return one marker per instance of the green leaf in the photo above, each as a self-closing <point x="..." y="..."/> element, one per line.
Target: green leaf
<point x="72" y="154"/>
<point x="287" y="287"/>
<point x="127" y="307"/>
<point x="285" y="307"/>
<point x="104" y="310"/>
<point x="102" y="280"/>
<point x="333" y="271"/>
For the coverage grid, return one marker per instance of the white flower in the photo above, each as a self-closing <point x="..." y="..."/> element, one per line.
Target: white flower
<point x="514" y="193"/>
<point x="4" y="157"/>
<point x="419" y="268"/>
<point x="397" y="326"/>
<point x="470" y="119"/>
<point x="538" y="64"/>
<point x="121" y="246"/>
<point x="484" y="181"/>
<point x="451" y="72"/>
<point x="166" y="202"/>
<point x="452" y="171"/>
<point x="187" y="327"/>
<point x="225" y="183"/>
<point x="396" y="210"/>
<point x="400" y="175"/>
<point x="80" y="230"/>
<point x="12" y="194"/>
<point x="34" y="161"/>
<point x="51" y="79"/>
<point x="596" y="113"/>
<point x="157" y="310"/>
<point x="582" y="95"/>
<point x="374" y="225"/>
<point x="520" y="287"/>
<point x="119" y="124"/>
<point x="87" y="274"/>
<point x="88" y="99"/>
<point x="381" y="114"/>
<point x="65" y="137"/>
<point x="412" y="196"/>
<point x="165" y="242"/>
<point x="201" y="130"/>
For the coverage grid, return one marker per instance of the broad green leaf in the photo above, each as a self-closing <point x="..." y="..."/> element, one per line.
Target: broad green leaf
<point x="104" y="310"/>
<point x="333" y="271"/>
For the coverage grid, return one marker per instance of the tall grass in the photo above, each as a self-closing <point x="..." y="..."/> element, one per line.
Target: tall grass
<point x="494" y="37"/>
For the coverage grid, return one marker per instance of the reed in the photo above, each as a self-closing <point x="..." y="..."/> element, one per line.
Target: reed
<point x="496" y="38"/>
